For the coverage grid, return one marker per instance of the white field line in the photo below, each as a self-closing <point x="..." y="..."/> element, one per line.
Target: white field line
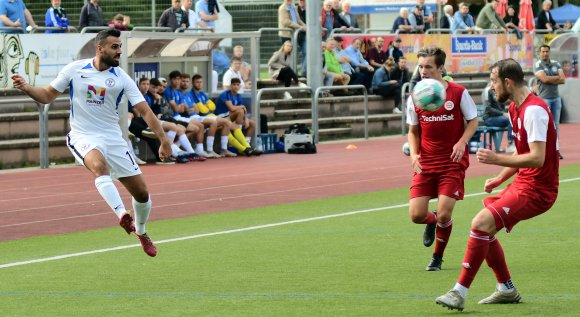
<point x="217" y="233"/>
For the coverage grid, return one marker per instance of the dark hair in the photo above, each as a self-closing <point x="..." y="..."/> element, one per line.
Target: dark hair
<point x="196" y="77"/>
<point x="174" y="74"/>
<point x="154" y="82"/>
<point x="545" y="46"/>
<point x="102" y="36"/>
<point x="235" y="80"/>
<point x="236" y="59"/>
<point x="435" y="51"/>
<point x="142" y="79"/>
<point x="509" y="68"/>
<point x="184" y="75"/>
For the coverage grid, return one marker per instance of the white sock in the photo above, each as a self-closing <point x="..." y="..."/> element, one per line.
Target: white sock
<point x="209" y="143"/>
<point x="171" y="135"/>
<point x="199" y="148"/>
<point x="249" y="139"/>
<point x="185" y="143"/>
<point x="506" y="287"/>
<point x="110" y="194"/>
<point x="142" y="211"/>
<point x="224" y="142"/>
<point x="175" y="150"/>
<point x="461" y="289"/>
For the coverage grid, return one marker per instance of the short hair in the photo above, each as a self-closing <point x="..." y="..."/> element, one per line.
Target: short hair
<point x="236" y="59"/>
<point x="434" y="51"/>
<point x="463" y="4"/>
<point x="154" y="82"/>
<point x="174" y="74"/>
<point x="547" y="2"/>
<point x="509" y="68"/>
<point x="102" y="36"/>
<point x="448" y="9"/>
<point x="196" y="77"/>
<point x="403" y="10"/>
<point x="390" y="62"/>
<point x="184" y="75"/>
<point x="142" y="79"/>
<point x="235" y="80"/>
<point x="545" y="46"/>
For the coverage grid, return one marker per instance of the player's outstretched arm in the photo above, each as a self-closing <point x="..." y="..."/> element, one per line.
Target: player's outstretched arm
<point x="43" y="95"/>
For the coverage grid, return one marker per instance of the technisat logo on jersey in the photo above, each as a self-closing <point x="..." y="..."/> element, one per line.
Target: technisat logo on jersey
<point x="95" y="95"/>
<point x="448" y="105"/>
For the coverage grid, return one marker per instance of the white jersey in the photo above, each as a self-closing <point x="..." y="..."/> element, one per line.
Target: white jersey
<point x="95" y="96"/>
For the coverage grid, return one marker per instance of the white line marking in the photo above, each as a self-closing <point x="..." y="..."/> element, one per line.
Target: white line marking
<point x="202" y="235"/>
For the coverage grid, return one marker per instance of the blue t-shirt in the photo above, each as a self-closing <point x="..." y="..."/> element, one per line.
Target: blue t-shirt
<point x="221" y="61"/>
<point x="199" y="97"/>
<point x="201" y="6"/>
<point x="227" y="95"/>
<point x="13" y="11"/>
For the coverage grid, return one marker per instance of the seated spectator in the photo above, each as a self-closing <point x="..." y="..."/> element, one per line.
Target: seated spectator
<point x="376" y="55"/>
<point x="346" y="16"/>
<point x="330" y="19"/>
<point x="279" y="67"/>
<point x="359" y="63"/>
<point x="15" y="14"/>
<point x="333" y="66"/>
<point x="386" y="85"/>
<point x="204" y="107"/>
<point x="394" y="50"/>
<point x="121" y="23"/>
<point x="447" y="19"/>
<point x="568" y="25"/>
<point x="462" y="20"/>
<point x="512" y="21"/>
<point x="56" y="17"/>
<point x="427" y="15"/>
<point x="245" y="68"/>
<point x="402" y="23"/>
<point x="401" y="72"/>
<point x="328" y="78"/>
<point x="288" y="18"/>
<point x="372" y="42"/>
<point x="91" y="15"/>
<point x="230" y="105"/>
<point x="495" y="116"/>
<point x="234" y="72"/>
<point x="416" y="20"/>
<point x="489" y="19"/>
<point x="545" y="19"/>
<point x="174" y="17"/>
<point x="202" y="7"/>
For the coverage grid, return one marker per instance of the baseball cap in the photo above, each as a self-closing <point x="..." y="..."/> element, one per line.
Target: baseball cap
<point x="162" y="80"/>
<point x="397" y="39"/>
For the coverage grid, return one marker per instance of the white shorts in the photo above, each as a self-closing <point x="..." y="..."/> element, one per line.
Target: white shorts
<point x="120" y="160"/>
<point x="214" y="118"/>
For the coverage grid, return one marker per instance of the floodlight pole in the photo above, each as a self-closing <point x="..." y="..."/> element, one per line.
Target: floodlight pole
<point x="313" y="49"/>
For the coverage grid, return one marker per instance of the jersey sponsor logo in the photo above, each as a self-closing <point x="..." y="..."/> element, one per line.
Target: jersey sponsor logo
<point x="95" y="95"/>
<point x="449" y="105"/>
<point x="110" y="82"/>
<point x="440" y="118"/>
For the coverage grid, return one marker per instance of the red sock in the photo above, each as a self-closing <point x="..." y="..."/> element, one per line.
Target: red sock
<point x="477" y="249"/>
<point x="496" y="261"/>
<point x="442" y="236"/>
<point x="430" y="219"/>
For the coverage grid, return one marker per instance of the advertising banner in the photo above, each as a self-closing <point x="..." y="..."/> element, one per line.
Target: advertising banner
<point x="386" y="6"/>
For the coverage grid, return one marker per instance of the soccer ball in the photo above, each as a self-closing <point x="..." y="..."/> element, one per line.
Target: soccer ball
<point x="406" y="149"/>
<point x="428" y="95"/>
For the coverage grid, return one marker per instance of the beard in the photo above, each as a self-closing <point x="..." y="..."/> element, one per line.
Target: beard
<point x="110" y="60"/>
<point x="502" y="97"/>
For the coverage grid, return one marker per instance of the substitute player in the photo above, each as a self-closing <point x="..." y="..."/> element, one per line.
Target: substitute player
<point x="533" y="191"/>
<point x="95" y="138"/>
<point x="439" y="157"/>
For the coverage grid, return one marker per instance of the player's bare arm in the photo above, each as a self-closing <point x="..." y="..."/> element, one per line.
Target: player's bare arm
<point x="43" y="95"/>
<point x="534" y="159"/>
<point x="414" y="139"/>
<point x="145" y="112"/>
<point x="460" y="146"/>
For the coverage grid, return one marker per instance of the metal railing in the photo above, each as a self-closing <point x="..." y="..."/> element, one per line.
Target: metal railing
<point x="193" y="30"/>
<point x="405" y="92"/>
<point x="69" y="29"/>
<point x="379" y="30"/>
<point x="329" y="88"/>
<point x="42" y="124"/>
<point x="12" y="28"/>
<point x="88" y="29"/>
<point x="493" y="31"/>
<point x="438" y="31"/>
<point x="151" y="29"/>
<point x="347" y="31"/>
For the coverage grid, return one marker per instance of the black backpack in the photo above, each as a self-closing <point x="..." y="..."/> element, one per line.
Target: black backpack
<point x="302" y="148"/>
<point x="297" y="128"/>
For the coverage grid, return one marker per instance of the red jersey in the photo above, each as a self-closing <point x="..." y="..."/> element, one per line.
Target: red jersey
<point x="532" y="121"/>
<point x="442" y="129"/>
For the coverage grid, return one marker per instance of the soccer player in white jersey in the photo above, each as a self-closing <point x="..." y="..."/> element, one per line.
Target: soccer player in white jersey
<point x="95" y="138"/>
<point x="533" y="191"/>
<point x="439" y="157"/>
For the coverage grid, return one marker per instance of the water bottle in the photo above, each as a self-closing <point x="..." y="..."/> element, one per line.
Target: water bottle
<point x="259" y="146"/>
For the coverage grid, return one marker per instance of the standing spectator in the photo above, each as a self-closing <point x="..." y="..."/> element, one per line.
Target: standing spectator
<point x="394" y="50"/>
<point x="174" y="17"/>
<point x="301" y="8"/>
<point x="545" y="19"/>
<point x="488" y="17"/>
<point x="192" y="17"/>
<point x="346" y="16"/>
<point x="376" y="55"/>
<point x="330" y="19"/>
<point x="447" y="19"/>
<point x="288" y="18"/>
<point x="56" y="16"/>
<point x="91" y="15"/>
<point x="279" y="67"/>
<point x="14" y="13"/>
<point x="121" y="23"/>
<point x="427" y="15"/>
<point x="386" y="85"/>
<point x="462" y="20"/>
<point x="207" y="17"/>
<point x="402" y="23"/>
<point x="234" y="72"/>
<point x="550" y="74"/>
<point x="416" y="20"/>
<point x="245" y="69"/>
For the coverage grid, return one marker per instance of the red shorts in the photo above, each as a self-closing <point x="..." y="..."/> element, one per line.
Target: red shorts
<point x="448" y="183"/>
<point x="513" y="205"/>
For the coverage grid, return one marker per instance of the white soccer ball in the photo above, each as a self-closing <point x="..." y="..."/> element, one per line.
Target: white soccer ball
<point x="406" y="149"/>
<point x="428" y="94"/>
